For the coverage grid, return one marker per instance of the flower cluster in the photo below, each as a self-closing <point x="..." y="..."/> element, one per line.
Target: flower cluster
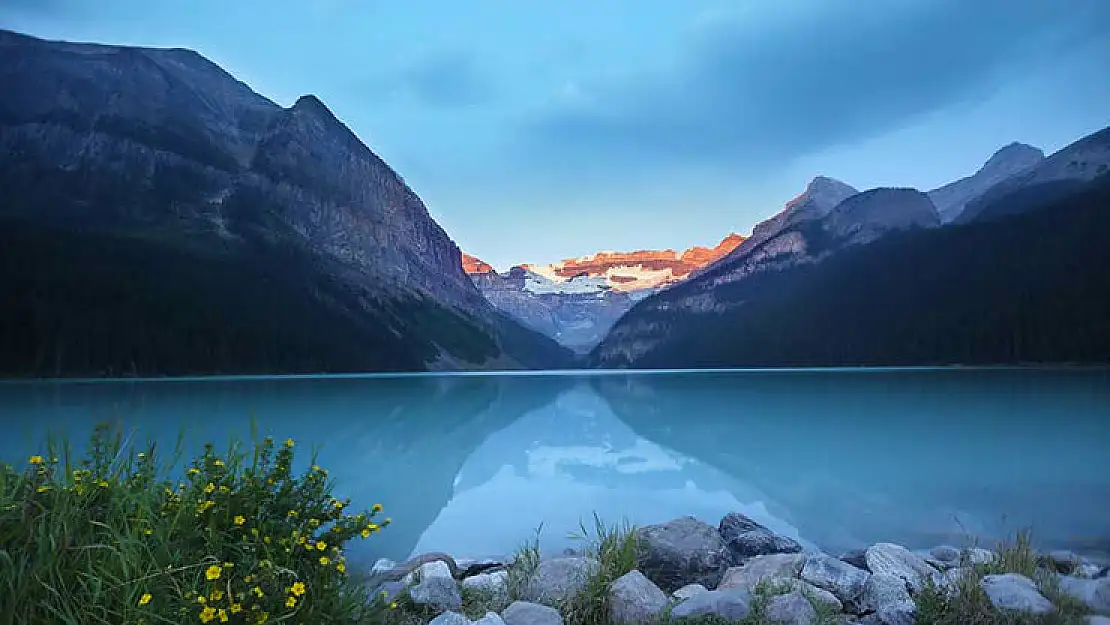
<point x="239" y="538"/>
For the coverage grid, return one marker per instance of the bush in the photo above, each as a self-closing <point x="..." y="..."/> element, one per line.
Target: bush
<point x="237" y="539"/>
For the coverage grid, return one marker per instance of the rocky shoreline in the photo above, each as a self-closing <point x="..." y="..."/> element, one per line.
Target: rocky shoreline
<point x="741" y="571"/>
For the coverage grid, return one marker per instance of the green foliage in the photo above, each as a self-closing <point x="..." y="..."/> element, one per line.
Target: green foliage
<point x="616" y="549"/>
<point x="527" y="559"/>
<point x="967" y="603"/>
<point x="111" y="538"/>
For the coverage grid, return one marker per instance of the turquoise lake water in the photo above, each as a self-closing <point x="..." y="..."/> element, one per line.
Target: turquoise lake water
<point x="473" y="464"/>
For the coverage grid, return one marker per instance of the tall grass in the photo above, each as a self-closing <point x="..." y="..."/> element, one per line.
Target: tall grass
<point x="110" y="538"/>
<point x="616" y="549"/>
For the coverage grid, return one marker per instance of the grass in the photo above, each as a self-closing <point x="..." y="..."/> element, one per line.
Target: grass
<point x="968" y="603"/>
<point x="121" y="535"/>
<point x="616" y="549"/>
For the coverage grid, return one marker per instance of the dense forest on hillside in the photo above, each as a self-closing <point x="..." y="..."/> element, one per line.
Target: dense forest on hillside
<point x="79" y="303"/>
<point x="1029" y="288"/>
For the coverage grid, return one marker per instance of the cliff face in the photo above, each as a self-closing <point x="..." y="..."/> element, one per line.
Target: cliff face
<point x="165" y="147"/>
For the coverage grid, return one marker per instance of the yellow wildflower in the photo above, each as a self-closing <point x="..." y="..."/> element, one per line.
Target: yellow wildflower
<point x="291" y="513"/>
<point x="324" y="560"/>
<point x="393" y="605"/>
<point x="236" y="608"/>
<point x="193" y="471"/>
<point x="207" y="614"/>
<point x="202" y="600"/>
<point x="258" y="592"/>
<point x="313" y="522"/>
<point x="145" y="599"/>
<point x="218" y="462"/>
<point x="301" y="540"/>
<point x="148" y="531"/>
<point x="240" y="519"/>
<point x="316" y="468"/>
<point x="365" y="533"/>
<point x="297" y="588"/>
<point x="213" y="572"/>
<point x="35" y="460"/>
<point x="209" y="487"/>
<point x="373" y="527"/>
<point x="216" y="594"/>
<point x="342" y="568"/>
<point x="290" y="602"/>
<point x="288" y="442"/>
<point x="376" y="508"/>
<point x="321" y="545"/>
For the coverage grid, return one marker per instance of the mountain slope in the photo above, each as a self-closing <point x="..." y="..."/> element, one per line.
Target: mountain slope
<point x="202" y="191"/>
<point x="1012" y="160"/>
<point x="992" y="292"/>
<point x="1058" y="176"/>
<point x="810" y="237"/>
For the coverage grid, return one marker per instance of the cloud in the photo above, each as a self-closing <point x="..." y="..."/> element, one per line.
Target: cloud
<point x="759" y="87"/>
<point x="444" y="79"/>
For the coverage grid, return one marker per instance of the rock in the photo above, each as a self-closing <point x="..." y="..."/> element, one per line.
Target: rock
<point x="952" y="578"/>
<point x="450" y="618"/>
<point x="1089" y="570"/>
<point x="558" y="579"/>
<point x="791" y="609"/>
<point x="1095" y="593"/>
<point x="491" y="618"/>
<point x="493" y="584"/>
<point x="978" y="555"/>
<point x="882" y="590"/>
<point x="896" y="560"/>
<point x="403" y="571"/>
<point x="1015" y="592"/>
<point x="1061" y="561"/>
<point x="730" y="603"/>
<point x="1095" y="619"/>
<point x="383" y="565"/>
<point x="526" y="613"/>
<point x="436" y="587"/>
<point x="946" y="554"/>
<point x="904" y="613"/>
<point x="633" y="598"/>
<point x="746" y="538"/>
<point x="683" y="551"/>
<point x="857" y="558"/>
<point x="687" y="591"/>
<point x="838" y="577"/>
<point x="820" y="595"/>
<point x="468" y="567"/>
<point x="783" y="566"/>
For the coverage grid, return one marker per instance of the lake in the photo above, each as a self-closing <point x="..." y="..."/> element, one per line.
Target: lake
<point x="473" y="464"/>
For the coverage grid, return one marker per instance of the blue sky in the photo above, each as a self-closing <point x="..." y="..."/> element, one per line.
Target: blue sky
<point x="537" y="130"/>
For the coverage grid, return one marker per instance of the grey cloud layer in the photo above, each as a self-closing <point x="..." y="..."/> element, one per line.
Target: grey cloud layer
<point x="845" y="71"/>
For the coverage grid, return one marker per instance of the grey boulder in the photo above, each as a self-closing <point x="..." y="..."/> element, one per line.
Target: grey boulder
<point x="1095" y="593"/>
<point x="633" y="599"/>
<point x="836" y="576"/>
<point x="687" y="591"/>
<point x="558" y="579"/>
<point x="883" y="592"/>
<point x="527" y="613"/>
<point x="791" y="609"/>
<point x="1015" y="592"/>
<point x="731" y="603"/>
<point x="683" y="551"/>
<point x="435" y="586"/>
<point x="773" y="567"/>
<point x="746" y="538"/>
<point x="450" y="618"/>
<point x="491" y="618"/>
<point x="896" y="560"/>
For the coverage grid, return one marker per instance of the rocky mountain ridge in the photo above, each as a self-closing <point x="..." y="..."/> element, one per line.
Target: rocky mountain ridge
<point x="164" y="149"/>
<point x="1011" y="160"/>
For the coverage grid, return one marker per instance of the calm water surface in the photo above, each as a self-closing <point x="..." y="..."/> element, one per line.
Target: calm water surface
<point x="473" y="464"/>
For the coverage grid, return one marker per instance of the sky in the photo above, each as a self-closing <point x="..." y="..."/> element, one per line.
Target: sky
<point x="536" y="130"/>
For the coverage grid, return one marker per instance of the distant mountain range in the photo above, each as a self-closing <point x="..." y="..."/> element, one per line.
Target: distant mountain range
<point x="577" y="300"/>
<point x="1020" y="275"/>
<point x="158" y="217"/>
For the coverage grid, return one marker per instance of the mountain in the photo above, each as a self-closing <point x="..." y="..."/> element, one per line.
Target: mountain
<point x="1030" y="287"/>
<point x="1060" y="175"/>
<point x="577" y="300"/>
<point x="1010" y="161"/>
<point x="160" y="217"/>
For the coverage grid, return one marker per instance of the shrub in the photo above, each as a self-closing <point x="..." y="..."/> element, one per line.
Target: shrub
<point x="239" y="538"/>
